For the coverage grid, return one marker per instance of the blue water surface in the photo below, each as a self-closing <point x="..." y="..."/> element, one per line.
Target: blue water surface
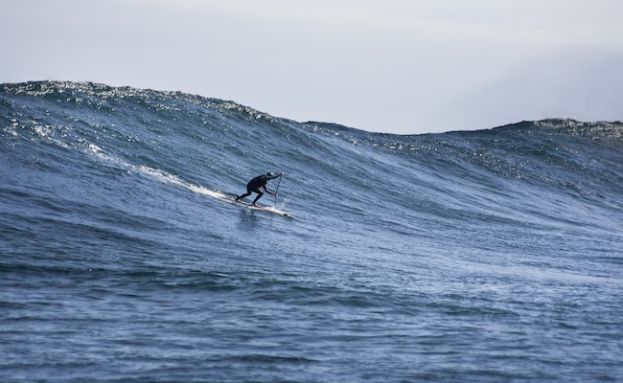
<point x="485" y="256"/>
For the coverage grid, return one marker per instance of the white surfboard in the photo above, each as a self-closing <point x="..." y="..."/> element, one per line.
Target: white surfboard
<point x="268" y="209"/>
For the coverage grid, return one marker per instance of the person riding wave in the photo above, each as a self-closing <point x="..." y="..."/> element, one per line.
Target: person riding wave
<point x="259" y="182"/>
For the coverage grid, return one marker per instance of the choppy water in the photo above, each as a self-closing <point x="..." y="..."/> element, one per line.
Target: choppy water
<point x="483" y="256"/>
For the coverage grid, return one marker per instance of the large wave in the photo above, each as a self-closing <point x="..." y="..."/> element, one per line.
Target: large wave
<point x="128" y="186"/>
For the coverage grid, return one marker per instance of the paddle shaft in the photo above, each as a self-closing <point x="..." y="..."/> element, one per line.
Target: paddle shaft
<point x="277" y="190"/>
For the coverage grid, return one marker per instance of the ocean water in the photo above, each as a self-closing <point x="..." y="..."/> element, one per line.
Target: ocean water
<point x="482" y="256"/>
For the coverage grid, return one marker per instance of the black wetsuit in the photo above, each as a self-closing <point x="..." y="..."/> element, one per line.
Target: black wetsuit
<point x="255" y="184"/>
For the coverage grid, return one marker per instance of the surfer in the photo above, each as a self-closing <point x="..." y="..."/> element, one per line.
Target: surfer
<point x="259" y="182"/>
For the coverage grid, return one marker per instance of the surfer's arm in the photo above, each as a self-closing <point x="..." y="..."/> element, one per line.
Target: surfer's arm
<point x="268" y="191"/>
<point x="275" y="176"/>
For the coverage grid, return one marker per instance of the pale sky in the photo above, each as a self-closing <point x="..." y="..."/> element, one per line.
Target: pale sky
<point x="394" y="66"/>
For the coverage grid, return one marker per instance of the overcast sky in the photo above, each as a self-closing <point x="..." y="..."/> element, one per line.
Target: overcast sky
<point x="388" y="66"/>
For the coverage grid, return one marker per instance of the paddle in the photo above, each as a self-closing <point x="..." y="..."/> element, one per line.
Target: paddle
<point x="277" y="190"/>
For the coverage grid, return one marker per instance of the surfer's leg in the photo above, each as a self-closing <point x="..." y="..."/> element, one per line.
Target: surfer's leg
<point x="248" y="193"/>
<point x="259" y="195"/>
<point x="243" y="195"/>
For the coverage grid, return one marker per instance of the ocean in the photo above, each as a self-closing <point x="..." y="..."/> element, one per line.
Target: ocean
<point x="469" y="256"/>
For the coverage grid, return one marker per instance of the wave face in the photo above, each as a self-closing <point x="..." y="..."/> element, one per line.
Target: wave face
<point x="491" y="255"/>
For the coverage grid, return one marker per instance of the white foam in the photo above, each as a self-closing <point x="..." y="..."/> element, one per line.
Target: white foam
<point x="157" y="174"/>
<point x="43" y="131"/>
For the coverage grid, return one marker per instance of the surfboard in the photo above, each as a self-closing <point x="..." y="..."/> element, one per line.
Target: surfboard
<point x="267" y="209"/>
